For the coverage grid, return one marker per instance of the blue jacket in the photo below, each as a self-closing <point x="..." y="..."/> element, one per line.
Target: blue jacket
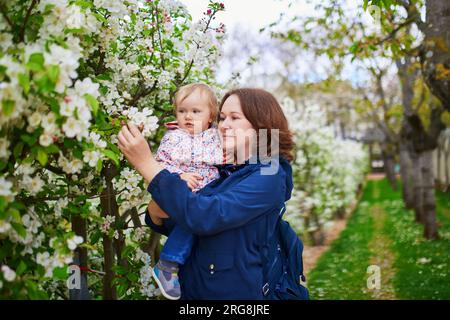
<point x="230" y="218"/>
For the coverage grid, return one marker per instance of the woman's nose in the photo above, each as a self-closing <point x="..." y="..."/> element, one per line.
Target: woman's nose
<point x="224" y="124"/>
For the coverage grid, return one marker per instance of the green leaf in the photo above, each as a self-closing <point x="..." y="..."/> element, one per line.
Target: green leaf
<point x="77" y="152"/>
<point x="17" y="205"/>
<point x="33" y="291"/>
<point x="17" y="151"/>
<point x="111" y="155"/>
<point x="100" y="17"/>
<point x="15" y="215"/>
<point x="114" y="148"/>
<point x="24" y="81"/>
<point x="36" y="62"/>
<point x="354" y="47"/>
<point x="99" y="165"/>
<point x="3" y="165"/>
<point x="54" y="105"/>
<point x="120" y="270"/>
<point x="53" y="73"/>
<point x="42" y="157"/>
<point x="92" y="102"/>
<point x="83" y="4"/>
<point x="52" y="149"/>
<point x="3" y="214"/>
<point x="8" y="107"/>
<point x="366" y="2"/>
<point x="45" y="85"/>
<point x="21" y="268"/>
<point x="60" y="273"/>
<point x="74" y="30"/>
<point x="19" y="228"/>
<point x="29" y="140"/>
<point x="127" y="250"/>
<point x="5" y="249"/>
<point x="96" y="236"/>
<point x="132" y="277"/>
<point x="103" y="76"/>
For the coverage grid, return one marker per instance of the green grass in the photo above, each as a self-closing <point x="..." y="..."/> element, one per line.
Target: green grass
<point x="340" y="273"/>
<point x="422" y="267"/>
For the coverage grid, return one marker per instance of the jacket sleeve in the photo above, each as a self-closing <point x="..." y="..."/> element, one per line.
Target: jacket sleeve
<point x="252" y="197"/>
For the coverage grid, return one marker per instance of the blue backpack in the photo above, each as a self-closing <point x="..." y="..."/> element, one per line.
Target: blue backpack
<point x="283" y="264"/>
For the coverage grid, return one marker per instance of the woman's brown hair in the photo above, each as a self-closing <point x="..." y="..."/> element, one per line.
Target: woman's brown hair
<point x="263" y="111"/>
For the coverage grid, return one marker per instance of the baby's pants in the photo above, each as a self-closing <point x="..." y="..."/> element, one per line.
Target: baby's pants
<point x="178" y="246"/>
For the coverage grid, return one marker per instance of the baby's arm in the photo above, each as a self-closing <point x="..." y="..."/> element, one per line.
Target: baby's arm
<point x="192" y="179"/>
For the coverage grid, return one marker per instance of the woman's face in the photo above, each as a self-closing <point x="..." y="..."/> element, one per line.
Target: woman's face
<point x="236" y="132"/>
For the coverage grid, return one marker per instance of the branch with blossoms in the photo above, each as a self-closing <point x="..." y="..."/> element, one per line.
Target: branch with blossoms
<point x="70" y="73"/>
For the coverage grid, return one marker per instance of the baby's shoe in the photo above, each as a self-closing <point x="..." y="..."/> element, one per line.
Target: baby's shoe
<point x="166" y="276"/>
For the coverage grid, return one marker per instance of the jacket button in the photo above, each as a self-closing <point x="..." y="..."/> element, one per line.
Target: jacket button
<point x="211" y="266"/>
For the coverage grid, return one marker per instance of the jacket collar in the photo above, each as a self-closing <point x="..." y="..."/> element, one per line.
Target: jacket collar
<point x="226" y="170"/>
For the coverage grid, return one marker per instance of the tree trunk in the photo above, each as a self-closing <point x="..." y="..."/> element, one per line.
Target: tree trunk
<point x="152" y="247"/>
<point x="438" y="165"/>
<point x="389" y="164"/>
<point x="436" y="50"/>
<point x="406" y="173"/>
<point x="315" y="235"/>
<point x="81" y="260"/>
<point x="135" y="218"/>
<point x="447" y="169"/>
<point x="418" y="203"/>
<point x="429" y="202"/>
<point x="109" y="206"/>
<point x="340" y="213"/>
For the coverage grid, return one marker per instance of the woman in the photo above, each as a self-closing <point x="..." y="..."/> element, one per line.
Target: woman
<point x="232" y="215"/>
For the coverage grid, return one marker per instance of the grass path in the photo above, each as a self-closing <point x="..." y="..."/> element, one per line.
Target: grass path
<point x="382" y="256"/>
<point x="381" y="232"/>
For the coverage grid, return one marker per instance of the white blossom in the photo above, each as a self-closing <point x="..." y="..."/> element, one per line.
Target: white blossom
<point x="73" y="242"/>
<point x="91" y="157"/>
<point x="8" y="273"/>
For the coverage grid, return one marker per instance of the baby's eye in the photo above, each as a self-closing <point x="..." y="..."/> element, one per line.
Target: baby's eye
<point x="181" y="111"/>
<point x="196" y="111"/>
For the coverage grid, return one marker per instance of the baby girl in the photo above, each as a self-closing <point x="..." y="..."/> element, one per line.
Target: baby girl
<point x="190" y="148"/>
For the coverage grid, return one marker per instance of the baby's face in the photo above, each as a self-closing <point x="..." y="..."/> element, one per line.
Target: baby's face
<point x="194" y="114"/>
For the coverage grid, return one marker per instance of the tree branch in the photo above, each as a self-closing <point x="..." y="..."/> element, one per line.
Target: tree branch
<point x="3" y="10"/>
<point x="25" y="20"/>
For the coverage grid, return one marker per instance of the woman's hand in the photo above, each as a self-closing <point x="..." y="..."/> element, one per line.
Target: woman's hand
<point x="156" y="213"/>
<point x="192" y="179"/>
<point x="136" y="149"/>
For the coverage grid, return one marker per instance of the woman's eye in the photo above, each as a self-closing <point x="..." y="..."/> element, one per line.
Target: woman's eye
<point x="221" y="118"/>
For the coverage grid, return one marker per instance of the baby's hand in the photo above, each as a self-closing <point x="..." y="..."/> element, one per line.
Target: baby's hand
<point x="192" y="179"/>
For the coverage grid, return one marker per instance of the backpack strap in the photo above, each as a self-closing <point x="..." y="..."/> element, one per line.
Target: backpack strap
<point x="265" y="247"/>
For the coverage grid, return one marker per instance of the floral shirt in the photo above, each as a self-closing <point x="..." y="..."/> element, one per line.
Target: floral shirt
<point x="181" y="152"/>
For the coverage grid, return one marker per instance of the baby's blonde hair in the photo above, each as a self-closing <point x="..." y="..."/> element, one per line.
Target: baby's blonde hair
<point x="185" y="91"/>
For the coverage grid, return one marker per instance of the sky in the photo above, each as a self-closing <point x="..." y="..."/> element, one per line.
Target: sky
<point x="253" y="15"/>
<point x="249" y="16"/>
